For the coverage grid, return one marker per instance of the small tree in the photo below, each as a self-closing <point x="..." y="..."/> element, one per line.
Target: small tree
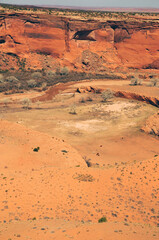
<point x="64" y="71"/>
<point x="1" y="78"/>
<point x="82" y="100"/>
<point x="31" y="83"/>
<point x="5" y="102"/>
<point x="50" y="74"/>
<point x="44" y="86"/>
<point x="26" y="103"/>
<point x="11" y="79"/>
<point x="157" y="84"/>
<point x="73" y="109"/>
<point x="135" y="81"/>
<point x="108" y="94"/>
<point x="89" y="99"/>
<point x="154" y="82"/>
<point x="36" y="75"/>
<point x="103" y="219"/>
<point x="38" y="104"/>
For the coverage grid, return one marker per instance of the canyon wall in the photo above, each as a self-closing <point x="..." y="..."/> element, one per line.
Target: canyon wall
<point x="48" y="42"/>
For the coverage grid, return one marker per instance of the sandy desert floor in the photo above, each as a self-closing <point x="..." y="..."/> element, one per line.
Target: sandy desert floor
<point x="47" y="189"/>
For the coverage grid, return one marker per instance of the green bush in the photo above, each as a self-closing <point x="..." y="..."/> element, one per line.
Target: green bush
<point x="36" y="149"/>
<point x="103" y="219"/>
<point x="64" y="151"/>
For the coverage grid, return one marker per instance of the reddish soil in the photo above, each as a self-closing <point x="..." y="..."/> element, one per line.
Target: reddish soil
<point x="62" y="170"/>
<point x="52" y="193"/>
<point x="52" y="92"/>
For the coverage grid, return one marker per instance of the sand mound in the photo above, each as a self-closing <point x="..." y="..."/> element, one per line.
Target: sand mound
<point x="24" y="148"/>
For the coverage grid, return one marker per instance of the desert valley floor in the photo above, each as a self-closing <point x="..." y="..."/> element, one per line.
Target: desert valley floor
<point x="69" y="159"/>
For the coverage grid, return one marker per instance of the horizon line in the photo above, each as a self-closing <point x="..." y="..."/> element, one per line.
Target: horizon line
<point x="78" y="7"/>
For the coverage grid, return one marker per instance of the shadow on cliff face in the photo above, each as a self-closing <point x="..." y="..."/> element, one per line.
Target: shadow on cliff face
<point x="84" y="35"/>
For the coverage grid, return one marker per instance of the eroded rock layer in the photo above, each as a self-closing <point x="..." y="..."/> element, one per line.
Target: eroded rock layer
<point x="46" y="41"/>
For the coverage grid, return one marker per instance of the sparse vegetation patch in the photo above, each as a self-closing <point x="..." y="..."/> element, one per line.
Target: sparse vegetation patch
<point x="101" y="220"/>
<point x="36" y="149"/>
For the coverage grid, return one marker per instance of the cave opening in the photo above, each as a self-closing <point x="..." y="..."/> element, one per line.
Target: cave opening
<point x="84" y="35"/>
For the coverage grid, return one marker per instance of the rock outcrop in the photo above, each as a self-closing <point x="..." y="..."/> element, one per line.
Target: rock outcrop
<point x="136" y="96"/>
<point x="152" y="125"/>
<point x="45" y="41"/>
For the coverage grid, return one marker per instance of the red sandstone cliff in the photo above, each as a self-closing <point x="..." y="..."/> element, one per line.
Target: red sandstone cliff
<point x="45" y="41"/>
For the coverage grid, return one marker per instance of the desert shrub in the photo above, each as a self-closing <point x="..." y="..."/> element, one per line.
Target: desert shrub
<point x="103" y="219"/>
<point x="154" y="82"/>
<point x="44" y="86"/>
<point x="89" y="99"/>
<point x="19" y="85"/>
<point x="135" y="81"/>
<point x="64" y="71"/>
<point x="139" y="82"/>
<point x="108" y="94"/>
<point x="38" y="104"/>
<point x="36" y="149"/>
<point x="36" y="75"/>
<point x="73" y="109"/>
<point x="82" y="100"/>
<point x="3" y="87"/>
<point x="26" y="102"/>
<point x="11" y="79"/>
<point x="87" y="160"/>
<point x="64" y="151"/>
<point x="157" y="84"/>
<point x="97" y="91"/>
<point x="84" y="177"/>
<point x="31" y="83"/>
<point x="50" y="74"/>
<point x="1" y="78"/>
<point x="6" y="102"/>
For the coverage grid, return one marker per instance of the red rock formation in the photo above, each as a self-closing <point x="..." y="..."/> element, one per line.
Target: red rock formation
<point x="45" y="41"/>
<point x="152" y="125"/>
<point x="130" y="95"/>
<point x="123" y="94"/>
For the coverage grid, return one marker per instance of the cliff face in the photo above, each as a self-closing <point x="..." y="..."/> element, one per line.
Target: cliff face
<point x="43" y="41"/>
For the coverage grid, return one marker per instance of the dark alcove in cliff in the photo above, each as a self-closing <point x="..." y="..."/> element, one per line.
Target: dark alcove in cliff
<point x="84" y="35"/>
